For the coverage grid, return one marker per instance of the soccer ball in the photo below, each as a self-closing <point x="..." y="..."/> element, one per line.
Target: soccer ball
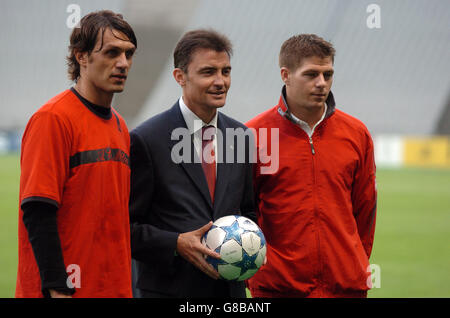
<point x="241" y="245"/>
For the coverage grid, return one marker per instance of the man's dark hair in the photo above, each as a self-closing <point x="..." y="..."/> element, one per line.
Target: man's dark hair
<point x="199" y="39"/>
<point x="84" y="38"/>
<point x="302" y="46"/>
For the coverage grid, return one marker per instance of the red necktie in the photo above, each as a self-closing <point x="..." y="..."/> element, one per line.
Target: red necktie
<point x="209" y="158"/>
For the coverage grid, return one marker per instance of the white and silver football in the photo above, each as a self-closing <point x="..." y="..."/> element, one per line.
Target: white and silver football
<point x="241" y="245"/>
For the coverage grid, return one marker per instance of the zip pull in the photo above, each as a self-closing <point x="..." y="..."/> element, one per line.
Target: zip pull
<point x="312" y="146"/>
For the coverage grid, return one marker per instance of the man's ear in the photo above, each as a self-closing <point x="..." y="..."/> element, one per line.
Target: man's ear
<point x="285" y="75"/>
<point x="82" y="58"/>
<point x="180" y="76"/>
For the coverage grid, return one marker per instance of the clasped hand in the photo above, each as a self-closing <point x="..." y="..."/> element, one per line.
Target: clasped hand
<point x="189" y="247"/>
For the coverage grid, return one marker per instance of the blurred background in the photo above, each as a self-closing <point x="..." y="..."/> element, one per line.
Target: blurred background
<point x="391" y="71"/>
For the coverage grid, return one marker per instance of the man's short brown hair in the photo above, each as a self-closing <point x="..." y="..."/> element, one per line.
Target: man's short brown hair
<point x="199" y="39"/>
<point x="302" y="46"/>
<point x="84" y="38"/>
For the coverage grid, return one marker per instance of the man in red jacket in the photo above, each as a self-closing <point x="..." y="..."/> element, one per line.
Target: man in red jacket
<point x="317" y="210"/>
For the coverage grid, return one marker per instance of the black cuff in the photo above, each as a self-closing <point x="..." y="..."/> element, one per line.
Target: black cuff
<point x="63" y="290"/>
<point x="40" y="221"/>
<point x="55" y="279"/>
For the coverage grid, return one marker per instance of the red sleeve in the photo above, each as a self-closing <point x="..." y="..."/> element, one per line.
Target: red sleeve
<point x="44" y="159"/>
<point x="364" y="196"/>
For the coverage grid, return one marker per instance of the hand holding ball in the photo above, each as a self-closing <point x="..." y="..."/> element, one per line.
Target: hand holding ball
<point x="241" y="245"/>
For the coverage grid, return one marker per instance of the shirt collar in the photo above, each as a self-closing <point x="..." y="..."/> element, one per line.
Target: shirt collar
<point x="283" y="109"/>
<point x="303" y="123"/>
<point x="100" y="111"/>
<point x="193" y="122"/>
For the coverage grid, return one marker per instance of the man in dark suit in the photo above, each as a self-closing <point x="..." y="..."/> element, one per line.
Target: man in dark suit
<point x="187" y="171"/>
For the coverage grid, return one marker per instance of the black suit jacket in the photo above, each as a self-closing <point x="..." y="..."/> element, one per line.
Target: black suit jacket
<point x="168" y="198"/>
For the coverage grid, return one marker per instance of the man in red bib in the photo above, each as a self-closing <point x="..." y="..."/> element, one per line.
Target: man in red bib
<point x="74" y="232"/>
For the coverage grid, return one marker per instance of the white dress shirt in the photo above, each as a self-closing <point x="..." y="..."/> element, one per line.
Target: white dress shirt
<point x="304" y="125"/>
<point x="195" y="125"/>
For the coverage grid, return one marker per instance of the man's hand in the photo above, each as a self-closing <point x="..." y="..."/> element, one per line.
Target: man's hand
<point x="57" y="294"/>
<point x="189" y="247"/>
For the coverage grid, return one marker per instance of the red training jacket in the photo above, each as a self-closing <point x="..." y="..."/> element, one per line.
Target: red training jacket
<point x="317" y="206"/>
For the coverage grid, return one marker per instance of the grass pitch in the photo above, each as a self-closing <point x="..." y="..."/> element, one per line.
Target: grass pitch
<point x="9" y="203"/>
<point x="412" y="233"/>
<point x="411" y="240"/>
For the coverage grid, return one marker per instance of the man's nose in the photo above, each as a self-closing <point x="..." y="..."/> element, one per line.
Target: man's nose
<point x="219" y="80"/>
<point x="321" y="81"/>
<point x="122" y="62"/>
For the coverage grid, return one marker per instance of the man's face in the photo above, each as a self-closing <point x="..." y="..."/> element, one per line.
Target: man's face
<point x="308" y="85"/>
<point x="207" y="80"/>
<point x="107" y="66"/>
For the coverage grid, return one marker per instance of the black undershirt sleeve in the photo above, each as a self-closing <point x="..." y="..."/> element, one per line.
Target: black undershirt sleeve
<point x="39" y="219"/>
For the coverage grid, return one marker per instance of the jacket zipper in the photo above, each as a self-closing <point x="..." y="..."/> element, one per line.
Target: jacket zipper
<point x="312" y="145"/>
<point x="317" y="221"/>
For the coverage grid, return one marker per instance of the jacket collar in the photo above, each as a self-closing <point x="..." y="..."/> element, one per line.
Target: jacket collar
<point x="194" y="169"/>
<point x="283" y="108"/>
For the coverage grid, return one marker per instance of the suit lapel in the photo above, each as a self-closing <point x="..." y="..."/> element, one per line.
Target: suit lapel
<point x="193" y="167"/>
<point x="223" y="169"/>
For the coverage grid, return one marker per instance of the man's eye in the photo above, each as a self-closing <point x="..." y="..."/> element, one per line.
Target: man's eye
<point x="111" y="53"/>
